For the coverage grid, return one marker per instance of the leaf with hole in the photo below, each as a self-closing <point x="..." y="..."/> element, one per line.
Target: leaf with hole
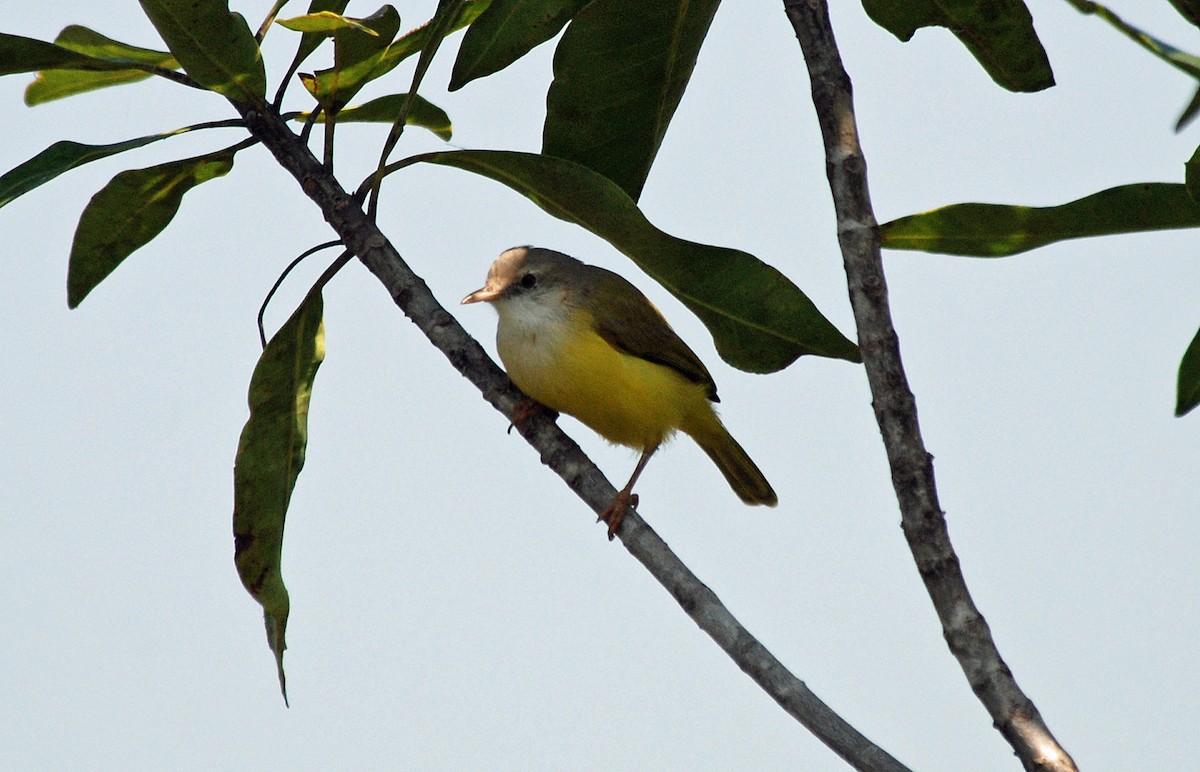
<point x="270" y="456"/>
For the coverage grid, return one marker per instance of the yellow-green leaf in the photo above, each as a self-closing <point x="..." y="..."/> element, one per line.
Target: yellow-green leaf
<point x="386" y="109"/>
<point x="324" y="21"/>
<point x="59" y="83"/>
<point x="270" y="456"/>
<point x="129" y="211"/>
<point x="355" y="57"/>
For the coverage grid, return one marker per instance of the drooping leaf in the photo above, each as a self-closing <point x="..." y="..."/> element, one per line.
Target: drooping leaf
<point x="1187" y="395"/>
<point x="355" y="56"/>
<point x="760" y="321"/>
<point x="56" y="84"/>
<point x="270" y="456"/>
<point x="998" y="230"/>
<point x="215" y="46"/>
<point x="386" y="109"/>
<point x="20" y="54"/>
<point x="620" y="70"/>
<point x="998" y="33"/>
<point x="129" y="211"/>
<point x="324" y="21"/>
<point x="505" y="32"/>
<point x="62" y="157"/>
<point x="415" y="40"/>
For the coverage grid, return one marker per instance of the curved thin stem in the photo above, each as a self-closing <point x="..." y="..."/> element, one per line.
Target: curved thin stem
<point x="262" y="310"/>
<point x="922" y="519"/>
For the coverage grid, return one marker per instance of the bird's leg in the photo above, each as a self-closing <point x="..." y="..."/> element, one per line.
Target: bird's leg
<point x="625" y="498"/>
<point x="526" y="409"/>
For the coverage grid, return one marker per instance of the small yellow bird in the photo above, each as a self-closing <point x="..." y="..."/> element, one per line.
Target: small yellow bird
<point x="583" y="341"/>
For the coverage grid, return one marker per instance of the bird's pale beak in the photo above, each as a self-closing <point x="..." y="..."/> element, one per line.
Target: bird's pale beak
<point x="483" y="294"/>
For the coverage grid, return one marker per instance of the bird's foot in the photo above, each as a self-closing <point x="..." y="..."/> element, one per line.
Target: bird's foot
<point x="615" y="513"/>
<point x="527" y="409"/>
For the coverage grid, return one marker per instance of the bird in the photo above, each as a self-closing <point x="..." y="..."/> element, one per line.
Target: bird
<point x="582" y="340"/>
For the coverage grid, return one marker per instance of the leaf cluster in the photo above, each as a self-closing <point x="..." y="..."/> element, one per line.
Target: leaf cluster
<point x="620" y="69"/>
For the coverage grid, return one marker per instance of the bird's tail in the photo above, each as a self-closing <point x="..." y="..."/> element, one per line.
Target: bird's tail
<point x="742" y="474"/>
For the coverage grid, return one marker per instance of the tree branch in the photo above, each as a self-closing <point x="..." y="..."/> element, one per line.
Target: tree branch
<point x="922" y="519"/>
<point x="557" y="450"/>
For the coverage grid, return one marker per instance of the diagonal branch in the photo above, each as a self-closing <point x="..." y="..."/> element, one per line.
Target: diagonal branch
<point x="922" y="519"/>
<point x="557" y="450"/>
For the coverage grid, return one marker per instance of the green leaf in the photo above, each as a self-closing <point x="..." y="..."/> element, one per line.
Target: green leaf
<point x="505" y="32"/>
<point x="1188" y="9"/>
<point x="996" y="230"/>
<point x="56" y="84"/>
<point x="386" y="109"/>
<point x="62" y="157"/>
<point x="619" y="73"/>
<point x="129" y="211"/>
<point x="1187" y="395"/>
<point x="270" y="456"/>
<point x="324" y="21"/>
<point x="998" y="33"/>
<point x="1180" y="60"/>
<point x="759" y="320"/>
<point x="417" y="38"/>
<point x="214" y="46"/>
<point x="20" y="54"/>
<point x="1189" y="113"/>
<point x="310" y="40"/>
<point x="1191" y="175"/>
<point x="355" y="55"/>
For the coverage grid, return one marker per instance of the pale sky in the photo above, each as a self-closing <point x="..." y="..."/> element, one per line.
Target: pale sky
<point x="453" y="604"/>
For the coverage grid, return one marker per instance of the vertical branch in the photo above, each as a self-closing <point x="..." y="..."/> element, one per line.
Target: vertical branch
<point x="922" y="520"/>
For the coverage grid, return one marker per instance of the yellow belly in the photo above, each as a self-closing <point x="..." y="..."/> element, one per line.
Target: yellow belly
<point x="625" y="399"/>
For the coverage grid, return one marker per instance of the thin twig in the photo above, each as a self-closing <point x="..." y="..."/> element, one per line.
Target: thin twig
<point x="262" y="310"/>
<point x="922" y="519"/>
<point x="361" y="235"/>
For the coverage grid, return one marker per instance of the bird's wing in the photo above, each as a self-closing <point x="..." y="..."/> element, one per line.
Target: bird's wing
<point x="636" y="327"/>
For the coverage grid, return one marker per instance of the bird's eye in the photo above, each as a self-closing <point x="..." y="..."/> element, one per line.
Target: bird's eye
<point x="529" y="281"/>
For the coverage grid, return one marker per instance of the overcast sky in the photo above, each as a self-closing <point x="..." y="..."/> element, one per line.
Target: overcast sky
<point x="454" y="606"/>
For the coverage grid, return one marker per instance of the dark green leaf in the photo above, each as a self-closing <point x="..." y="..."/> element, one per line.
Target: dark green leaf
<point x="996" y="230"/>
<point x="19" y="54"/>
<point x="619" y="73"/>
<point x="355" y="55"/>
<point x="386" y="109"/>
<point x="1187" y="395"/>
<point x="505" y="32"/>
<point x="1189" y="112"/>
<point x="128" y="212"/>
<point x="270" y="456"/>
<point x="1191" y="175"/>
<point x="416" y="39"/>
<point x="215" y="46"/>
<point x="1180" y="60"/>
<point x="62" y="157"/>
<point x="56" y="84"/>
<point x="1188" y="9"/>
<point x="759" y="320"/>
<point x="998" y="33"/>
